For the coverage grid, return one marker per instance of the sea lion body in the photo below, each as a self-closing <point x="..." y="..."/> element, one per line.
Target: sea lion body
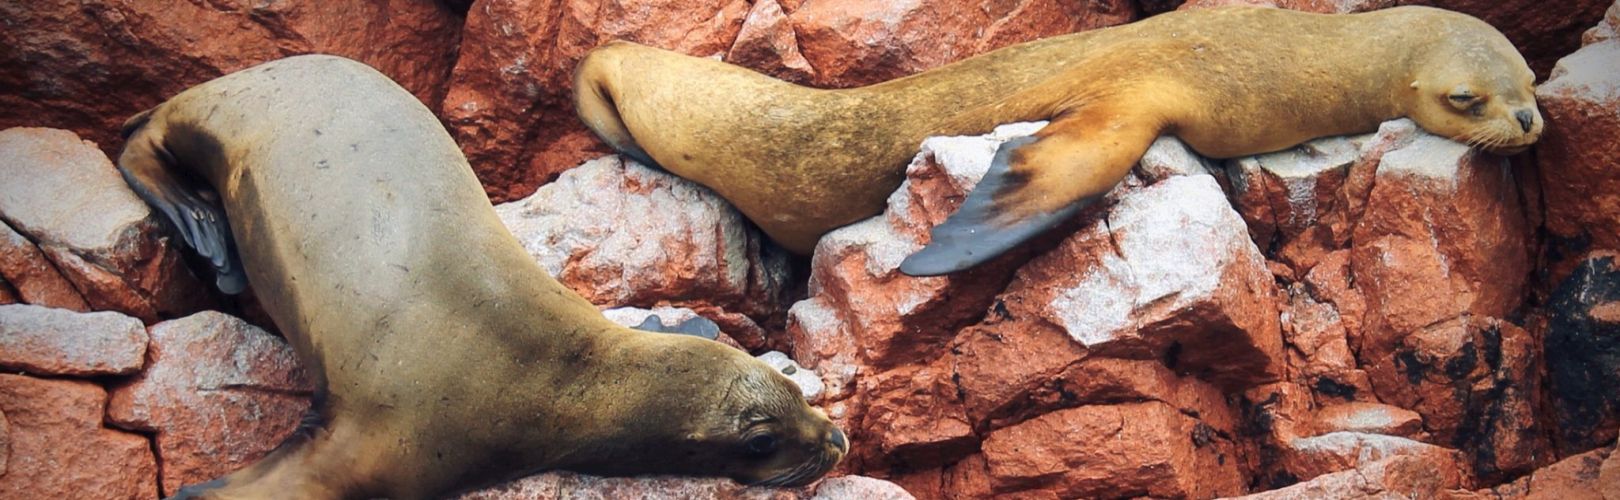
<point x="1228" y="82"/>
<point x="444" y="357"/>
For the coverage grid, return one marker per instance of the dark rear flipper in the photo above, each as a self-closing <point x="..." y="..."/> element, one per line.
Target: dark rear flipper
<point x="148" y="168"/>
<point x="697" y="326"/>
<point x="979" y="231"/>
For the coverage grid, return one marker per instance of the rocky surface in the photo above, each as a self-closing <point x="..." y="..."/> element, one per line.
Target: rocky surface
<point x="57" y="447"/>
<point x="564" y="485"/>
<point x="77" y="213"/>
<point x="44" y="341"/>
<point x="86" y="66"/>
<point x="218" y="394"/>
<point x="591" y="230"/>
<point x="1380" y="315"/>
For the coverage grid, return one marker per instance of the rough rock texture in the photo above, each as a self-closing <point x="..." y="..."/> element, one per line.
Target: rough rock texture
<point x="565" y="485"/>
<point x="1382" y="315"/>
<point x="219" y="393"/>
<point x="509" y="107"/>
<point x="45" y="341"/>
<point x="31" y="277"/>
<point x="1609" y="29"/>
<point x="961" y="393"/>
<point x="56" y="447"/>
<point x="1577" y="154"/>
<point x="1398" y="477"/>
<point x="1543" y="31"/>
<point x="1594" y="475"/>
<point x="91" y="228"/>
<point x="87" y="66"/>
<point x="623" y="234"/>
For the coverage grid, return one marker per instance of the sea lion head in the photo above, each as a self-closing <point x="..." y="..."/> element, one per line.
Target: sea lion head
<point x="709" y="409"/>
<point x="1474" y="87"/>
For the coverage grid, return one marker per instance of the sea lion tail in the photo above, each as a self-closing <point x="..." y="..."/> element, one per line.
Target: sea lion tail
<point x="1033" y="184"/>
<point x="148" y="168"/>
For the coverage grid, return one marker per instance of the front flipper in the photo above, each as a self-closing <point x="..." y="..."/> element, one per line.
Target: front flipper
<point x="696" y="326"/>
<point x="147" y="168"/>
<point x="1033" y="184"/>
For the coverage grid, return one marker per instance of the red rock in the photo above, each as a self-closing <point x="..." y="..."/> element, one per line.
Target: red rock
<point x="768" y="43"/>
<point x="914" y="417"/>
<point x="1172" y="267"/>
<point x="1001" y="367"/>
<point x="1292" y="199"/>
<point x="1319" y="353"/>
<point x="34" y="279"/>
<point x="622" y="234"/>
<point x="89" y="65"/>
<point x="87" y="222"/>
<point x="508" y="103"/>
<point x="1399" y="477"/>
<point x="1587" y="476"/>
<point x="851" y="43"/>
<point x="8" y="295"/>
<point x="1118" y="450"/>
<point x="55" y="446"/>
<point x="1477" y="384"/>
<point x="1576" y="155"/>
<point x="1315" y="456"/>
<point x="1609" y="29"/>
<point x="46" y="341"/>
<point x="561" y="485"/>
<point x="1441" y="233"/>
<point x="219" y="394"/>
<point x="861" y="310"/>
<point x="1370" y="418"/>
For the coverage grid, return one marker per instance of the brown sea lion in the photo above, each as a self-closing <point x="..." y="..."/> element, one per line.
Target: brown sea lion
<point x="1229" y="82"/>
<point x="444" y="357"/>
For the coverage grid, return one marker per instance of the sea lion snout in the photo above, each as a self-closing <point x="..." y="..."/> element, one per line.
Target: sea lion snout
<point x="838" y="441"/>
<point x="1526" y="118"/>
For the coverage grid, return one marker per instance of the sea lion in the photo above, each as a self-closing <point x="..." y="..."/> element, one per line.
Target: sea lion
<point x="1229" y="82"/>
<point x="444" y="357"/>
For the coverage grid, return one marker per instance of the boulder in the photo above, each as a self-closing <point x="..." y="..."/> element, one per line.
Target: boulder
<point x="96" y="233"/>
<point x="54" y="444"/>
<point x="621" y="234"/>
<point x="31" y="277"/>
<point x="218" y="394"/>
<point x="45" y="341"/>
<point x="1576" y="156"/>
<point x="561" y="485"/>
<point x="86" y="66"/>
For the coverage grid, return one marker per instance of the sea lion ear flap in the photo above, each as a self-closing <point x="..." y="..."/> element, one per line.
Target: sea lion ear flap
<point x="979" y="231"/>
<point x="148" y="169"/>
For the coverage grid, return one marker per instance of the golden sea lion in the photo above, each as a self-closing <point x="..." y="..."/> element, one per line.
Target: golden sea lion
<point x="444" y="357"/>
<point x="1229" y="82"/>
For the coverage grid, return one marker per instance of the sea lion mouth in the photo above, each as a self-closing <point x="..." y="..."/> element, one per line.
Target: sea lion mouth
<point x="805" y="473"/>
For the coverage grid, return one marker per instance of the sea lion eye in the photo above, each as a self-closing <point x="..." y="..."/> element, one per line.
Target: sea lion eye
<point x="1462" y="98"/>
<point x="761" y="445"/>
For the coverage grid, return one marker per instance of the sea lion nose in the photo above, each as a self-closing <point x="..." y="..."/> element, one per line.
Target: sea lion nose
<point x="838" y="440"/>
<point x="1526" y="119"/>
